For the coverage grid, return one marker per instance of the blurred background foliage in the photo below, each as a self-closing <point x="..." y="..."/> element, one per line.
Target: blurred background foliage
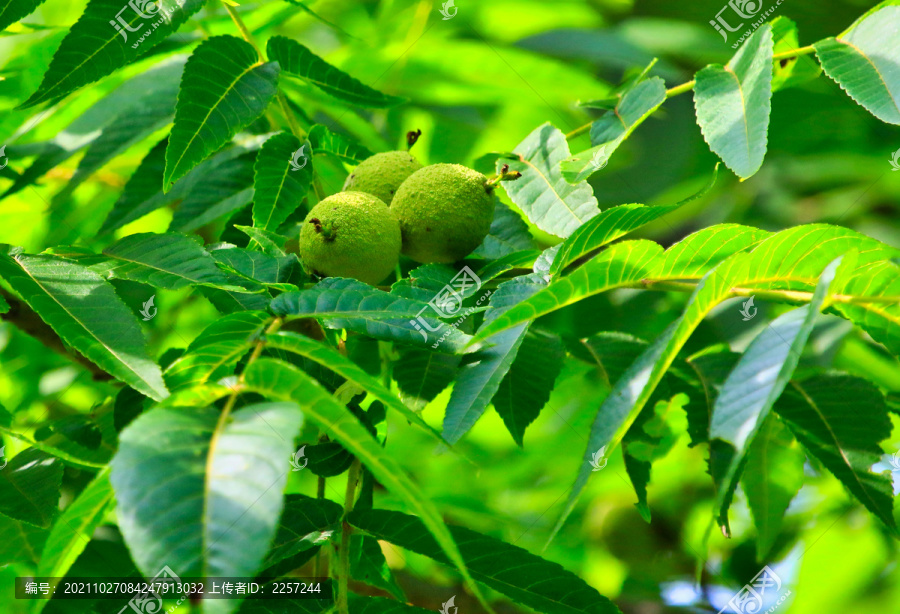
<point x="478" y="83"/>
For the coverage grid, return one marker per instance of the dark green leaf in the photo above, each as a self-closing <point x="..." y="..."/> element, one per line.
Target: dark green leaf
<point x="324" y="140"/>
<point x="281" y="179"/>
<point x="29" y="487"/>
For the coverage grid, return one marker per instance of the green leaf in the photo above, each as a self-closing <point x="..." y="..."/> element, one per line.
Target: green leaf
<point x="20" y="542"/>
<point x="616" y="125"/>
<point x="167" y="260"/>
<point x="621" y="265"/>
<point x="270" y="242"/>
<point x="295" y="59"/>
<point x="201" y="494"/>
<point x="421" y="375"/>
<point x="523" y="577"/>
<point x="85" y="311"/>
<point x="772" y="477"/>
<point x="880" y="320"/>
<point x="29" y="487"/>
<point x="279" y="380"/>
<point x="526" y="387"/>
<point x="549" y="201"/>
<point x="382" y="605"/>
<point x="367" y="564"/>
<point x="753" y="386"/>
<point x="794" y="71"/>
<point x="256" y="267"/>
<point x="614" y="223"/>
<point x="216" y="351"/>
<point x="305" y="523"/>
<point x="12" y="11"/>
<point x="864" y="62"/>
<point x="323" y="140"/>
<point x="508" y="234"/>
<point x="841" y="419"/>
<point x="94" y="48"/>
<point x="734" y="102"/>
<point x="478" y="381"/>
<point x="350" y="304"/>
<point x="324" y="355"/>
<point x="279" y="182"/>
<point x="224" y="88"/>
<point x="74" y="529"/>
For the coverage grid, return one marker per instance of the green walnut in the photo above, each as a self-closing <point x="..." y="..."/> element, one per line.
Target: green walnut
<point x="350" y="234"/>
<point x="445" y="212"/>
<point x="382" y="174"/>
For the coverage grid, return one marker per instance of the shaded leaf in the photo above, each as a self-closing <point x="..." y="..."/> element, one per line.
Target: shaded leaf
<point x="509" y="233"/>
<point x="323" y="140"/>
<point x="279" y="186"/>
<point x="510" y="570"/>
<point x="29" y="487"/>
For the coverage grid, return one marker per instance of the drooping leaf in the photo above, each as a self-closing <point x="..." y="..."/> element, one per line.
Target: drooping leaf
<point x="367" y="564"/>
<point x="255" y="267"/>
<point x="523" y="577"/>
<point x="215" y="352"/>
<point x="864" y="62"/>
<point x="323" y="140"/>
<point x="167" y="260"/>
<point x="305" y="523"/>
<point x="526" y="387"/>
<point x="753" y="386"/>
<point x="541" y="193"/>
<point x="478" y="381"/>
<point x="614" y="223"/>
<point x="616" y="125"/>
<point x="29" y="487"/>
<point x="280" y="182"/>
<point x="324" y="355"/>
<point x="841" y="419"/>
<point x="276" y="379"/>
<point x="94" y="47"/>
<point x="224" y="88"/>
<point x="73" y="530"/>
<point x="772" y="477"/>
<point x="295" y="59"/>
<point x="219" y="513"/>
<point x="422" y="374"/>
<point x="509" y="233"/>
<point x="350" y="304"/>
<point x="733" y="104"/>
<point x="87" y="313"/>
